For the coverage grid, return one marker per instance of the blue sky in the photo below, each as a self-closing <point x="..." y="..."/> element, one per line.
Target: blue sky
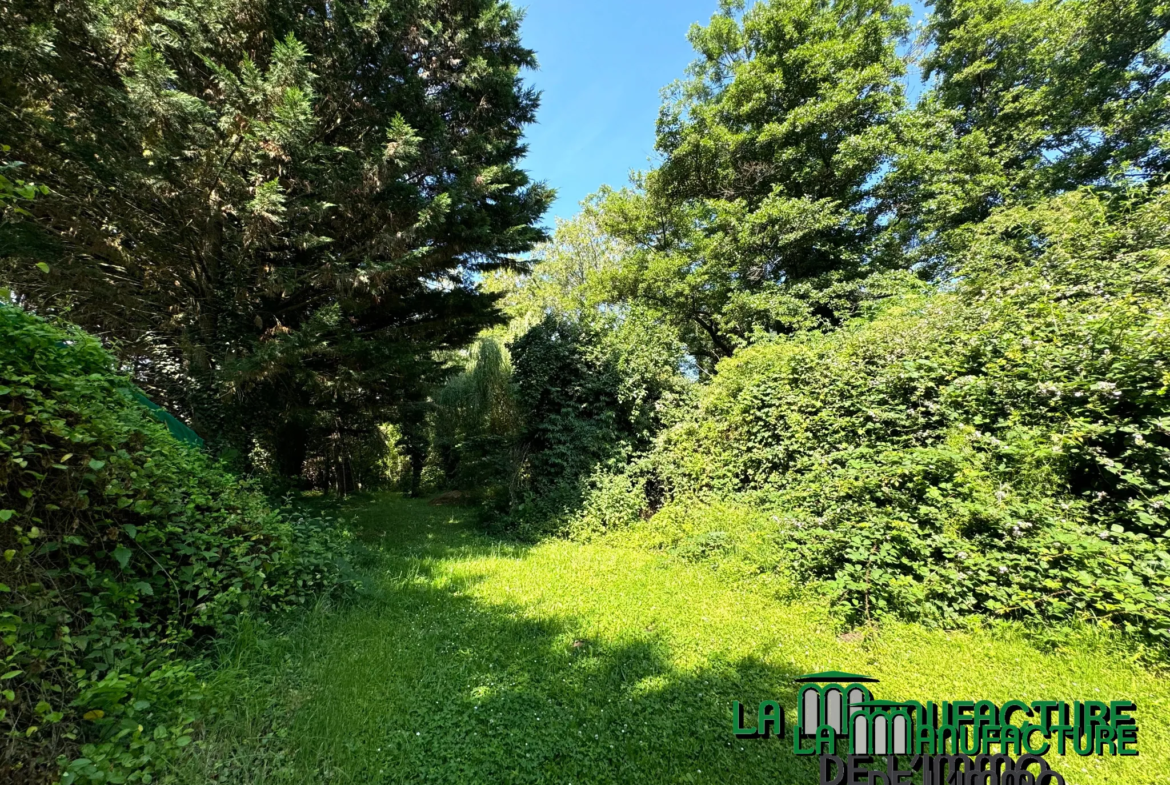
<point x="603" y="64"/>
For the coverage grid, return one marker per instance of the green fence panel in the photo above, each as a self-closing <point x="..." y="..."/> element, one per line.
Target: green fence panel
<point x="177" y="427"/>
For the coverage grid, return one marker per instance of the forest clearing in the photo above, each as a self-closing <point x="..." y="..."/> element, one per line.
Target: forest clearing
<point x="440" y="390"/>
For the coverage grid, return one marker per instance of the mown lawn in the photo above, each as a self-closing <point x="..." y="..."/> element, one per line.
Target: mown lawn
<point x="470" y="660"/>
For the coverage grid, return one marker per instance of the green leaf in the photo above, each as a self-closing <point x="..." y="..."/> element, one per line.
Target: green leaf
<point x="44" y="268"/>
<point x="5" y="515"/>
<point x="122" y="554"/>
<point x="97" y="465"/>
<point x="10" y="675"/>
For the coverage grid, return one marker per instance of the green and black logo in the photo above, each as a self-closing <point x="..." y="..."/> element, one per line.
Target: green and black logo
<point x="950" y="743"/>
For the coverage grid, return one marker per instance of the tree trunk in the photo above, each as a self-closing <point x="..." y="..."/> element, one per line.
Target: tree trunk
<point x="416" y="469"/>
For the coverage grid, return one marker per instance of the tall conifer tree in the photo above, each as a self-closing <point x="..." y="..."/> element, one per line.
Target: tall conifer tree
<point x="278" y="207"/>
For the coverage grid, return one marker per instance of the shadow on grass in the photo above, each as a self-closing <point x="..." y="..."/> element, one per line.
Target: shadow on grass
<point x="422" y="681"/>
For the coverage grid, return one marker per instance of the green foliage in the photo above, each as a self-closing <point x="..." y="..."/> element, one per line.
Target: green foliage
<point x="280" y="212"/>
<point x="13" y="192"/>
<point x="984" y="434"/>
<point x="570" y="274"/>
<point x="573" y="418"/>
<point x="771" y="148"/>
<point x="13" y="189"/>
<point x="1067" y="92"/>
<point x="1001" y="446"/>
<point x="475" y="425"/>
<point x="590" y="394"/>
<point x="1028" y="100"/>
<point x="122" y="549"/>
<point x="793" y="171"/>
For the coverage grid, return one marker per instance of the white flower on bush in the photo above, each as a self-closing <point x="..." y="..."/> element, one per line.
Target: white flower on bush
<point x="1109" y="388"/>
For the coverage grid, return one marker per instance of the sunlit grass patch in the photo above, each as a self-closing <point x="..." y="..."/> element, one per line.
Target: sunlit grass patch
<point x="472" y="660"/>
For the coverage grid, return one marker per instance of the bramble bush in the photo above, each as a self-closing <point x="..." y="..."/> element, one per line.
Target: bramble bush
<point x="996" y="445"/>
<point x="122" y="550"/>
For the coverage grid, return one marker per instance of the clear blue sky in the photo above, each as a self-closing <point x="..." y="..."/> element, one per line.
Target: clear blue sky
<point x="603" y="64"/>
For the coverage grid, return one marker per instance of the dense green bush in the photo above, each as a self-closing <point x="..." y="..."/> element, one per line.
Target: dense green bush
<point x="121" y="548"/>
<point x="591" y="392"/>
<point x="997" y="445"/>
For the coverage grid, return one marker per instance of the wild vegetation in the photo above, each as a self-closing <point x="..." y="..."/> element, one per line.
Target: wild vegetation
<point x="122" y="547"/>
<point x="272" y="216"/>
<point x="996" y="448"/>
<point x="858" y="356"/>
<point x="273" y="210"/>
<point x="602" y="662"/>
<point x="927" y="342"/>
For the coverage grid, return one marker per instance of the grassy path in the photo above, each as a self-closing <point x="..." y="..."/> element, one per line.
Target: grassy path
<point x="474" y="661"/>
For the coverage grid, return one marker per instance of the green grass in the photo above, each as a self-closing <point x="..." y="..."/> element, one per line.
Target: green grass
<point x="471" y="660"/>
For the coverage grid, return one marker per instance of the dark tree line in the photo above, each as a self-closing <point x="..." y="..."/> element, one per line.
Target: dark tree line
<point x="274" y="211"/>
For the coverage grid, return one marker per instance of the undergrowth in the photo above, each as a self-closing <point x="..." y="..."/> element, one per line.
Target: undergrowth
<point x="123" y="551"/>
<point x="998" y="446"/>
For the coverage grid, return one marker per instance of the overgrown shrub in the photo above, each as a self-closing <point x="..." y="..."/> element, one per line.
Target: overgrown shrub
<point x="591" y="394"/>
<point x="122" y="548"/>
<point x="998" y="445"/>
